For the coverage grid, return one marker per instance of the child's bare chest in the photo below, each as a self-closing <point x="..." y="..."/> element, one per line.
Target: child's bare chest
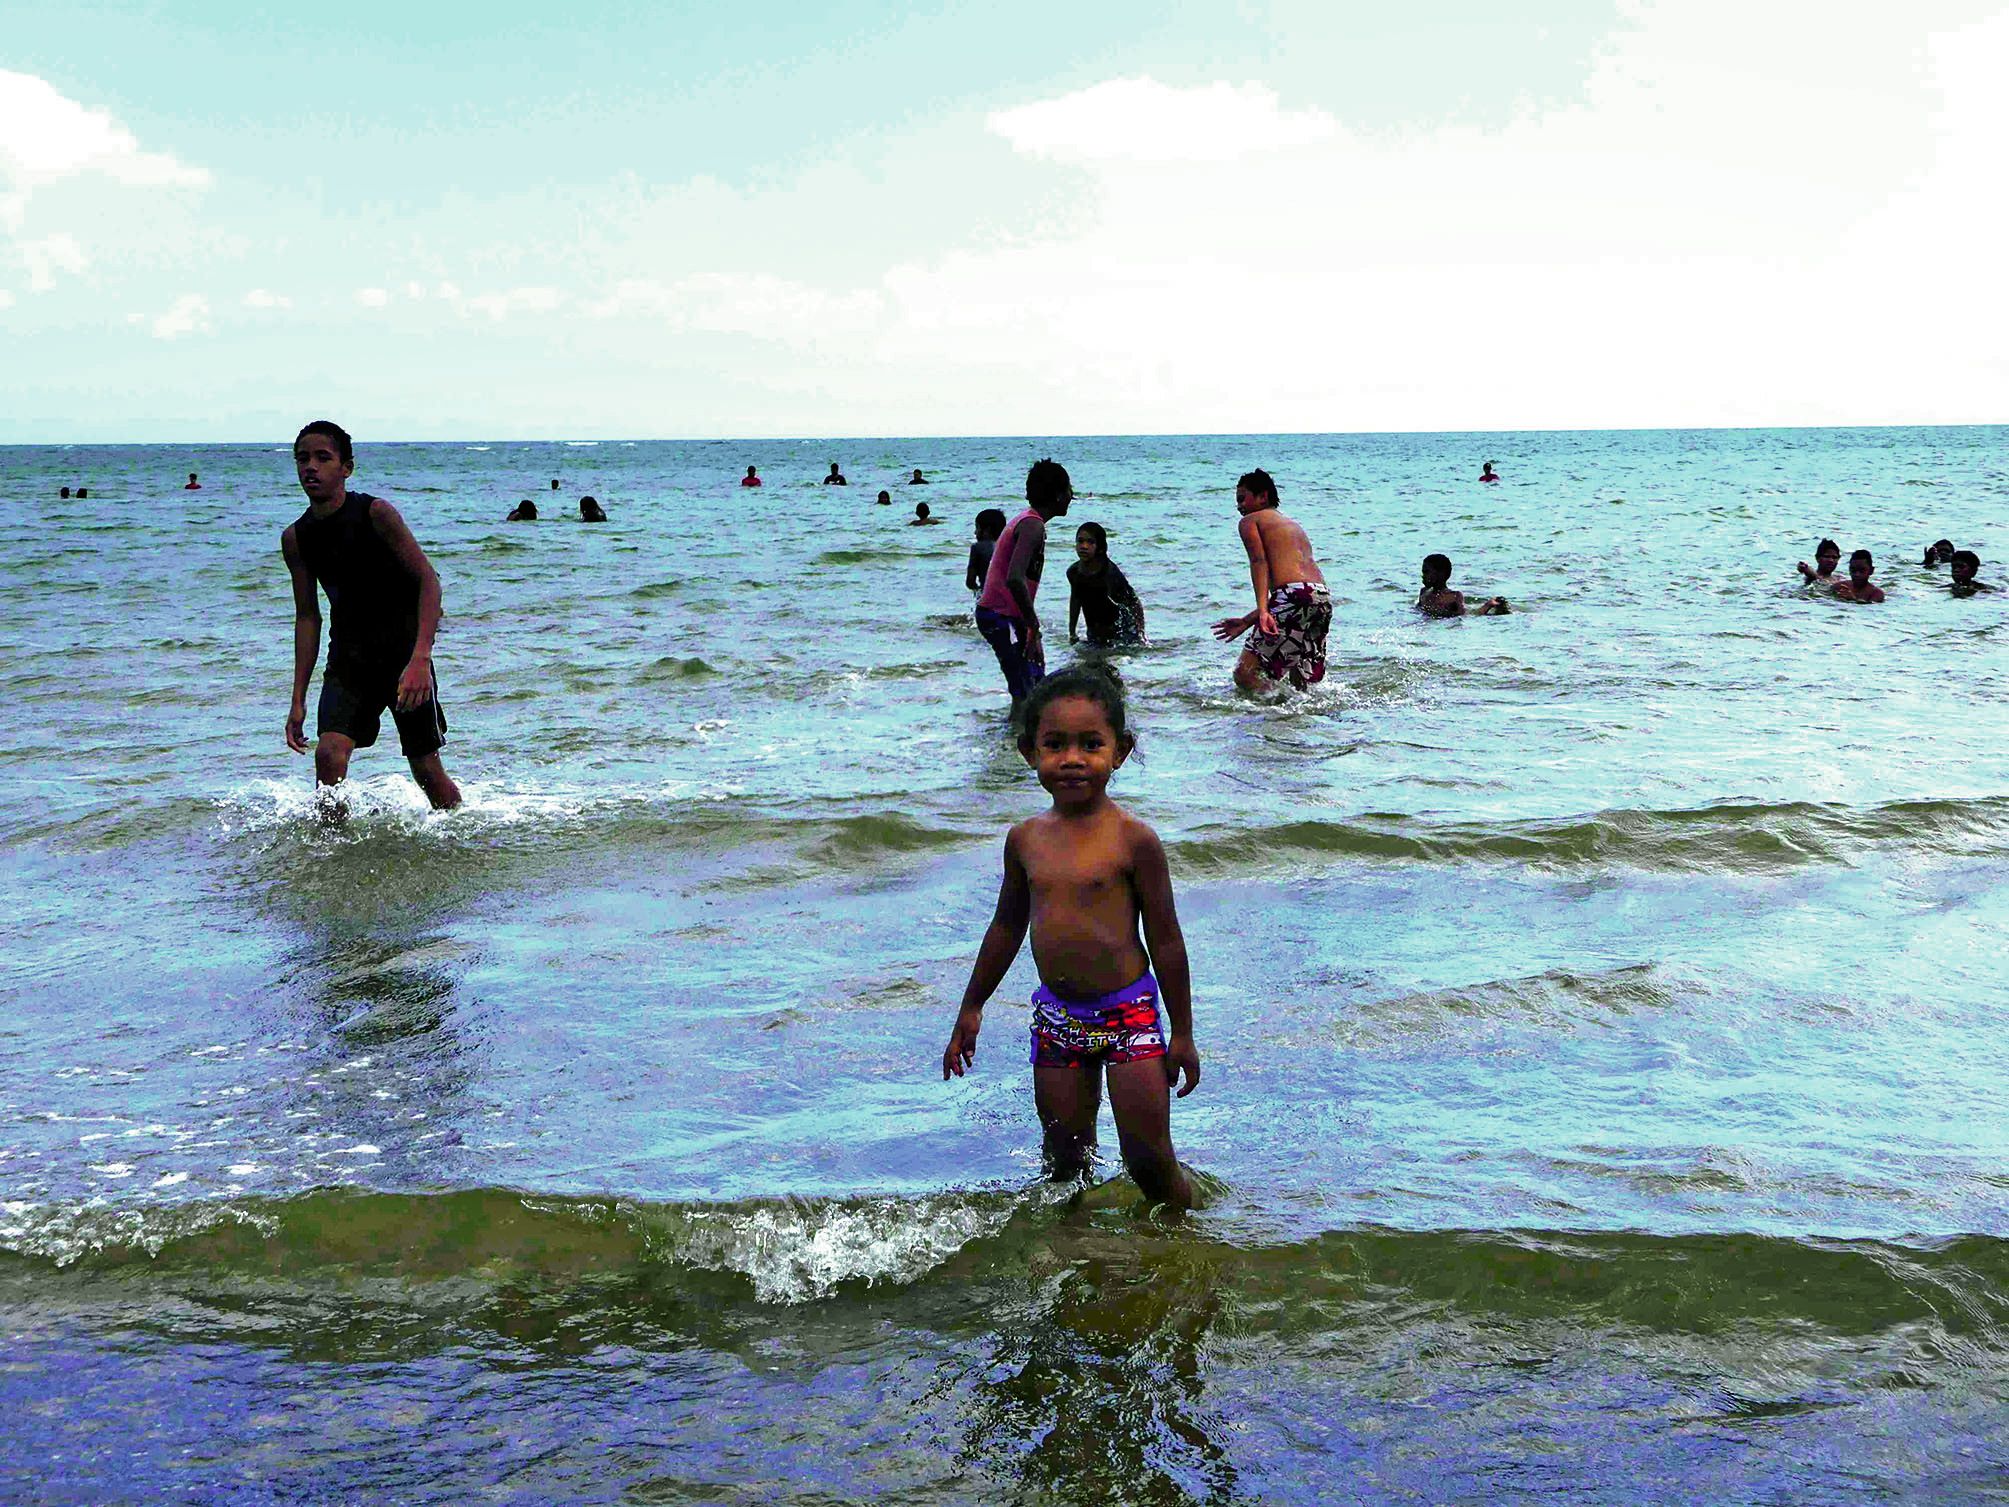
<point x="1080" y="876"/>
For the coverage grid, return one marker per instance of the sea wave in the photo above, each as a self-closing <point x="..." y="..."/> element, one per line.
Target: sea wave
<point x="1726" y="838"/>
<point x="795" y="1251"/>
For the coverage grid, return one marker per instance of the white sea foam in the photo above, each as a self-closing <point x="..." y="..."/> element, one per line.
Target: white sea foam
<point x="799" y="1251"/>
<point x="394" y="800"/>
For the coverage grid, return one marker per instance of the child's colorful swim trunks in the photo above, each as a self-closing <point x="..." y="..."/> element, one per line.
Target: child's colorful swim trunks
<point x="1296" y="651"/>
<point x="1121" y="1026"/>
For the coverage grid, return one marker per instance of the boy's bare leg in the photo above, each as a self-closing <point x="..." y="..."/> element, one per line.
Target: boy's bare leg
<point x="1249" y="674"/>
<point x="435" y="782"/>
<point x="1067" y="1099"/>
<point x="1142" y="1102"/>
<point x="331" y="758"/>
<point x="331" y="767"/>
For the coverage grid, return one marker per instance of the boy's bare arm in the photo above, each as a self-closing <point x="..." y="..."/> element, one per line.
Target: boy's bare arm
<point x="1002" y="939"/>
<point x="1166" y="944"/>
<point x="415" y="683"/>
<point x="306" y="639"/>
<point x="1251" y="530"/>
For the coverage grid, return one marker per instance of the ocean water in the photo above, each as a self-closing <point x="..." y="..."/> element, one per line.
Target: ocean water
<point x="1601" y="1007"/>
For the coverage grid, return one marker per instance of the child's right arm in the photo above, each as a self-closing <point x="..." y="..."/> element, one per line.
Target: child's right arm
<point x="994" y="959"/>
<point x="1259" y="572"/>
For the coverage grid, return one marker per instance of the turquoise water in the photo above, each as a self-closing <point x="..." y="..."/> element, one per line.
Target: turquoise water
<point x="1600" y="1006"/>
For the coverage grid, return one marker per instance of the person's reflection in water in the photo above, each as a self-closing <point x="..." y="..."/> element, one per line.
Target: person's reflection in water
<point x="1105" y="1384"/>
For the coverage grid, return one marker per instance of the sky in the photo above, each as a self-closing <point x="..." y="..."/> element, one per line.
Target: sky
<point x="693" y="221"/>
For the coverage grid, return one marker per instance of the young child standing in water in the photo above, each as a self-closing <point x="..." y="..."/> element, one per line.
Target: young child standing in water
<point x="1087" y="876"/>
<point x="1098" y="590"/>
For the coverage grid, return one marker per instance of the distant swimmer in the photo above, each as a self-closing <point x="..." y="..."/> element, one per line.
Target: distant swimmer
<point x="990" y="523"/>
<point x="751" y="479"/>
<point x="1827" y="560"/>
<point x="1965" y="566"/>
<point x="1437" y="599"/>
<point x="1857" y="587"/>
<point x="835" y="478"/>
<point x="1293" y="608"/>
<point x="1091" y="882"/>
<point x="83" y="491"/>
<point x="1939" y="552"/>
<point x="193" y="485"/>
<point x="554" y="483"/>
<point x="884" y="499"/>
<point x="66" y="494"/>
<point x="590" y="511"/>
<point x="524" y="512"/>
<point x="1098" y="591"/>
<point x="1487" y="473"/>
<point x="917" y="480"/>
<point x="384" y="601"/>
<point x="921" y="517"/>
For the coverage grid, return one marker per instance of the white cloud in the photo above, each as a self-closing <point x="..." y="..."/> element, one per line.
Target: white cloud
<point x="261" y="298"/>
<point x="756" y="304"/>
<point x="1142" y="120"/>
<point x="45" y="136"/>
<point x="51" y="254"/>
<point x="188" y="315"/>
<point x="6" y="299"/>
<point x="1739" y="220"/>
<point x="515" y="301"/>
<point x="373" y="298"/>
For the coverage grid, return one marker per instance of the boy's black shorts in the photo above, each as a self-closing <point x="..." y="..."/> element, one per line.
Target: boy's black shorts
<point x="353" y="700"/>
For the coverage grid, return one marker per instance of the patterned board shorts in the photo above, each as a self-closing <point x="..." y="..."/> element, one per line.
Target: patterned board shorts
<point x="1296" y="651"/>
<point x="1121" y="1026"/>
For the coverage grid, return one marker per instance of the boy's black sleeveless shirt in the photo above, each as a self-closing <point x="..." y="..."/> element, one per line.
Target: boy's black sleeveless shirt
<point x="373" y="601"/>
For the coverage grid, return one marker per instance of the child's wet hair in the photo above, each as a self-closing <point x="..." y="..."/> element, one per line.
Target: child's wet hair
<point x="1438" y="566"/>
<point x="1965" y="557"/>
<point x="1094" y="682"/>
<point x="1097" y="534"/>
<point x="990" y="523"/>
<point x="1047" y="482"/>
<point x="1827" y="546"/>
<point x="344" y="446"/>
<point x="1864" y="556"/>
<point x="1261" y="483"/>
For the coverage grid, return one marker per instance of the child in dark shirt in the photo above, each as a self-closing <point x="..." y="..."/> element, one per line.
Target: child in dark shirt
<point x="1098" y="590"/>
<point x="990" y="524"/>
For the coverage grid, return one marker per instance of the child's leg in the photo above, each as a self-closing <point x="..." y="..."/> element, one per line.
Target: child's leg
<point x="1142" y="1100"/>
<point x="1067" y="1099"/>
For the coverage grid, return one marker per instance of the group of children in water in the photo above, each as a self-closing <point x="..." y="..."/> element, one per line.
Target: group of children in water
<point x="1964" y="565"/>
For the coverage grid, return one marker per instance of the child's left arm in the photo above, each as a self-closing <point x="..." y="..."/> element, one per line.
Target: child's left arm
<point x="1166" y="945"/>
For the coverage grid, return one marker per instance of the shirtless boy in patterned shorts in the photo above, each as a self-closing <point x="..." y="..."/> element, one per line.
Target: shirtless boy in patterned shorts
<point x="1293" y="608"/>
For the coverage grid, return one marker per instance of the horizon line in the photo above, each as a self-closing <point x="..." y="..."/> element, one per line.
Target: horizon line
<point x="1197" y="434"/>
